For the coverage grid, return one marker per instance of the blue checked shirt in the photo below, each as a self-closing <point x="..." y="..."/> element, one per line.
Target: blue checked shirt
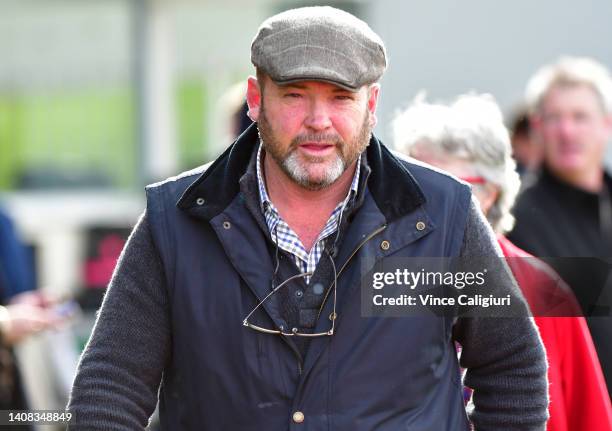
<point x="285" y="238"/>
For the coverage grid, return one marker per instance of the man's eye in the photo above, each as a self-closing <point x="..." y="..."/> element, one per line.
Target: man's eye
<point x="580" y="117"/>
<point x="293" y="95"/>
<point x="551" y="118"/>
<point x="343" y="97"/>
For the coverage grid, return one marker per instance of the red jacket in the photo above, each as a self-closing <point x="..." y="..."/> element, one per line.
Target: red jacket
<point x="579" y="400"/>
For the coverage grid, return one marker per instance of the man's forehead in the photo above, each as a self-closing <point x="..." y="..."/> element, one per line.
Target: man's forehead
<point x="572" y="94"/>
<point x="317" y="84"/>
<point x="312" y="85"/>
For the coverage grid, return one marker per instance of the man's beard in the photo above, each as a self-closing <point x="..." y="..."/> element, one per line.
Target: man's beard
<point x="294" y="164"/>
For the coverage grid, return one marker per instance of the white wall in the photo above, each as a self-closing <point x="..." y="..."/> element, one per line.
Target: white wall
<point x="444" y="46"/>
<point x="449" y="47"/>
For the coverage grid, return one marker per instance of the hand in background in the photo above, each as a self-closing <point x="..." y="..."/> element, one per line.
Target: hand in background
<point x="27" y="314"/>
<point x="35" y="298"/>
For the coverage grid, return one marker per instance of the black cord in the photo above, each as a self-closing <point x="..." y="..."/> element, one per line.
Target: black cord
<point x="276" y="258"/>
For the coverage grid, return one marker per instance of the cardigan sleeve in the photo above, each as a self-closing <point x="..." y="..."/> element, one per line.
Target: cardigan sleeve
<point x="504" y="357"/>
<point x="120" y="370"/>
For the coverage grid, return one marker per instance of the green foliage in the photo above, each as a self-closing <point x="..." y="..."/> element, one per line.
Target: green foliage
<point x="90" y="131"/>
<point x="191" y="114"/>
<point x="87" y="131"/>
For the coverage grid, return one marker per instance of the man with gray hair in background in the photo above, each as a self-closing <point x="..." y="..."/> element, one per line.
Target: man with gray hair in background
<point x="239" y="287"/>
<point x="567" y="212"/>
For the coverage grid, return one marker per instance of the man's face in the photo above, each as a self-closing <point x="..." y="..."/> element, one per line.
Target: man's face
<point x="313" y="130"/>
<point x="574" y="130"/>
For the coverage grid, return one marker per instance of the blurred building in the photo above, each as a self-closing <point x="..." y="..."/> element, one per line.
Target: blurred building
<point x="98" y="98"/>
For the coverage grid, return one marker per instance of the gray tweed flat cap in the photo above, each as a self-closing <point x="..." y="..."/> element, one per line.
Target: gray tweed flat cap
<point x="319" y="43"/>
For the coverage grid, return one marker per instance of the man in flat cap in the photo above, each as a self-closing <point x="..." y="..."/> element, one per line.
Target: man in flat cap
<point x="238" y="290"/>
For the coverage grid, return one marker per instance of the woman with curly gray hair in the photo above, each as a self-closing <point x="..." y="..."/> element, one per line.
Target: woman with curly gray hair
<point x="469" y="140"/>
<point x="470" y="135"/>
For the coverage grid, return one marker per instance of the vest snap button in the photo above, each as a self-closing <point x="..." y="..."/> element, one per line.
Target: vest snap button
<point x="298" y="417"/>
<point x="385" y="245"/>
<point x="200" y="201"/>
<point x="226" y="225"/>
<point x="420" y="225"/>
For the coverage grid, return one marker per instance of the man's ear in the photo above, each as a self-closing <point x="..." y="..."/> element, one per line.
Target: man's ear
<point x="373" y="93"/>
<point x="253" y="97"/>
<point x="487" y="196"/>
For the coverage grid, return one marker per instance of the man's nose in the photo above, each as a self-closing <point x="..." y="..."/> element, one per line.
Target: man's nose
<point x="567" y="127"/>
<point x="318" y="116"/>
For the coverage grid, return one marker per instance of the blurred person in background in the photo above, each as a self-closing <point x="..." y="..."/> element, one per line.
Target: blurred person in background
<point x="567" y="212"/>
<point x="198" y="300"/>
<point x="25" y="312"/>
<point x="526" y="151"/>
<point x="16" y="270"/>
<point x="469" y="140"/>
<point x="233" y="114"/>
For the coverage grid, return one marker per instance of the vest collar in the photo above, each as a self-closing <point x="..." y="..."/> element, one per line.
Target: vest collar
<point x="393" y="188"/>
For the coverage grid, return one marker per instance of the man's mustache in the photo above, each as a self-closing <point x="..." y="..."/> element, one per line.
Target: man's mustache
<point x="318" y="137"/>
